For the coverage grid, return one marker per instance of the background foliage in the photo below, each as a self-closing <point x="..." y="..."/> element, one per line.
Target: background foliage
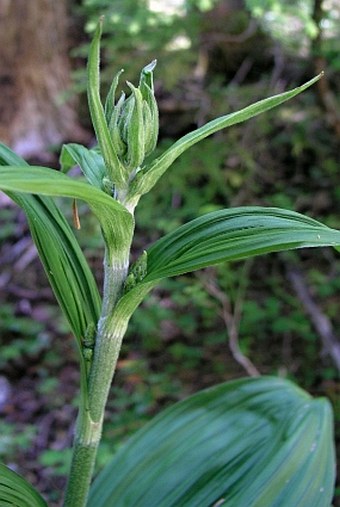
<point x="213" y="57"/>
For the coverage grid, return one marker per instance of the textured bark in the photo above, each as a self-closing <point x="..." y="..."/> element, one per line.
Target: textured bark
<point x="34" y="72"/>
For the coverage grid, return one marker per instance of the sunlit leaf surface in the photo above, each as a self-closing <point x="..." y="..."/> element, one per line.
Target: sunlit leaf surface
<point x="115" y="220"/>
<point x="234" y="234"/>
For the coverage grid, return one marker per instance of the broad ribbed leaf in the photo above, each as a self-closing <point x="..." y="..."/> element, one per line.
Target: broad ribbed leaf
<point x="89" y="161"/>
<point x="16" y="491"/>
<point x="65" y="265"/>
<point x="249" y="443"/>
<point x="149" y="175"/>
<point x="115" y="220"/>
<point x="234" y="234"/>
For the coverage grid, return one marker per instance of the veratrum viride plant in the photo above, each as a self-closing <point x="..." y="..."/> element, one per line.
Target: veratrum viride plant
<point x="260" y="442"/>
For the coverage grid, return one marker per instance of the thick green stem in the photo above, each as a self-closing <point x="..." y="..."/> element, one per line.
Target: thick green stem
<point x="106" y="355"/>
<point x="110" y="333"/>
<point x="115" y="272"/>
<point x="85" y="447"/>
<point x="89" y="427"/>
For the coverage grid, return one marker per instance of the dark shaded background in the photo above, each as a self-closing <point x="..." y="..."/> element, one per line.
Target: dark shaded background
<point x="278" y="314"/>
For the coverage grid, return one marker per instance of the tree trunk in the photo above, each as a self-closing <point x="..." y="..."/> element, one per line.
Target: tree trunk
<point x="34" y="73"/>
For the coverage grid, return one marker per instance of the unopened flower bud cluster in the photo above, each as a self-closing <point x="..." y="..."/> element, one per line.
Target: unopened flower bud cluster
<point x="133" y="120"/>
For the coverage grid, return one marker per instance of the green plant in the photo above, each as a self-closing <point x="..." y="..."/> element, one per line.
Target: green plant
<point x="290" y="22"/>
<point x="255" y="441"/>
<point x="14" y="437"/>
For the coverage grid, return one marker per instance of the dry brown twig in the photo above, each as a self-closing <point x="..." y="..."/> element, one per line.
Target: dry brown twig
<point x="231" y="316"/>
<point x="320" y="321"/>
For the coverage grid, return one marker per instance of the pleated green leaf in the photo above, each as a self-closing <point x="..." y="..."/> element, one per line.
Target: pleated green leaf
<point x="234" y="234"/>
<point x="65" y="265"/>
<point x="67" y="270"/>
<point x="16" y="491"/>
<point x="90" y="162"/>
<point x="115" y="220"/>
<point x="148" y="176"/>
<point x="248" y="443"/>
